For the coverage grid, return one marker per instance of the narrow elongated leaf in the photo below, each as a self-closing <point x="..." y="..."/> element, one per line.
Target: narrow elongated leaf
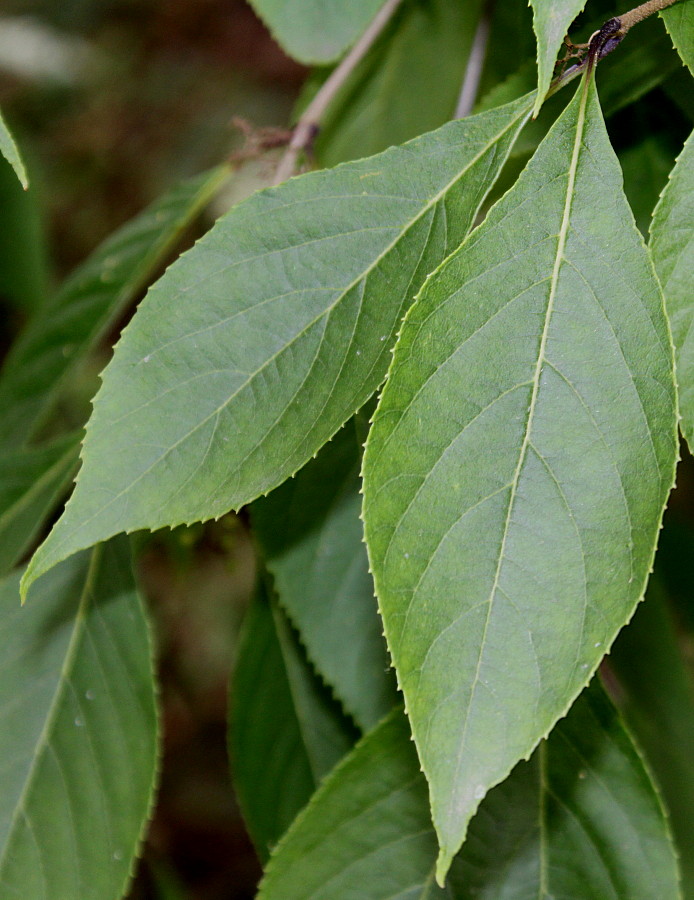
<point x="31" y="482"/>
<point x="285" y="733"/>
<point x="551" y="21"/>
<point x="518" y="466"/>
<point x="261" y="341"/>
<point x="679" y="21"/>
<point x="581" y="819"/>
<point x="63" y="332"/>
<point x="312" y="539"/>
<point x="9" y="150"/>
<point x="77" y="730"/>
<point x="672" y="249"/>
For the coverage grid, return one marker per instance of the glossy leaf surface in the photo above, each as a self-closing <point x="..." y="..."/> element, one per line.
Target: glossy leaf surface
<point x="62" y="332"/>
<point x="551" y="21"/>
<point x="312" y="540"/>
<point x="77" y="730"/>
<point x="316" y="31"/>
<point x="580" y="819"/>
<point x="672" y="249"/>
<point x="10" y="151"/>
<point x="261" y="341"/>
<point x="518" y="465"/>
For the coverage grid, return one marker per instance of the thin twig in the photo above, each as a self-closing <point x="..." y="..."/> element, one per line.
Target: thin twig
<point x="309" y="123"/>
<point x="475" y="63"/>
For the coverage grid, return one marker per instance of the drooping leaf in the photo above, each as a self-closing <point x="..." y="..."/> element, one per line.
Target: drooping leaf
<point x="312" y="540"/>
<point x="10" y="151"/>
<point x="679" y="21"/>
<point x="285" y="731"/>
<point x="580" y="819"/>
<point x="551" y="22"/>
<point x="77" y="730"/>
<point x="62" y="332"/>
<point x="657" y="698"/>
<point x="316" y="31"/>
<point x="261" y="341"/>
<point x="518" y="466"/>
<point x="31" y="482"/>
<point x="672" y="250"/>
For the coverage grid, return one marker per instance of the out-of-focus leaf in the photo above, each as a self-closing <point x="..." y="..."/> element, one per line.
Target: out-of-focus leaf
<point x="285" y="731"/>
<point x="31" y="482"/>
<point x="316" y="31"/>
<point x="63" y="331"/>
<point x="78" y="730"/>
<point x="312" y="539"/>
<point x="261" y="341"/>
<point x="659" y="705"/>
<point x="679" y="21"/>
<point x="551" y="21"/>
<point x="10" y="151"/>
<point x="519" y="462"/>
<point x="580" y="819"/>
<point x="672" y="250"/>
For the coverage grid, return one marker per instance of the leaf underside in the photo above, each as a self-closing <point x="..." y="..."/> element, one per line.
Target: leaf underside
<point x="9" y="150"/>
<point x="518" y="466"/>
<point x="551" y="22"/>
<point x="679" y="21"/>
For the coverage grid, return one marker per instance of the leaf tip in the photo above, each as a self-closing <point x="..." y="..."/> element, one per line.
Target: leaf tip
<point x="443" y="864"/>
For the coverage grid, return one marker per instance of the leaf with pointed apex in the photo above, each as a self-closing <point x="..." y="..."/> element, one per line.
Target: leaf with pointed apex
<point x="9" y="150"/>
<point x="78" y="730"/>
<point x="31" y="482"/>
<point x="316" y="31"/>
<point x="581" y="819"/>
<point x="312" y="540"/>
<point x="551" y="22"/>
<point x="62" y="332"/>
<point x="262" y="340"/>
<point x="529" y="416"/>
<point x="672" y="250"/>
<point x="285" y="732"/>
<point x="679" y="21"/>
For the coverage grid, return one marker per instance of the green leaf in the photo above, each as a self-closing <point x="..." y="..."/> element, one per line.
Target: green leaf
<point x="316" y="31"/>
<point x="31" y="482"/>
<point x="672" y="250"/>
<point x="78" y="730"/>
<point x="518" y="465"/>
<point x="581" y="819"/>
<point x="312" y="540"/>
<point x="551" y="21"/>
<point x="261" y="341"/>
<point x="9" y="150"/>
<point x="285" y="732"/>
<point x="679" y="21"/>
<point x="657" y="698"/>
<point x="94" y="297"/>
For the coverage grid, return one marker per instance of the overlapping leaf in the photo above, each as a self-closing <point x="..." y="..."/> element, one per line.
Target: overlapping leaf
<point x="672" y="249"/>
<point x="9" y="150"/>
<point x="551" y="21"/>
<point x="518" y="466"/>
<point x="679" y="21"/>
<point x="312" y="540"/>
<point x="580" y="819"/>
<point x="316" y="31"/>
<point x="62" y="333"/>
<point x="77" y="730"/>
<point x="261" y="341"/>
<point x="285" y="732"/>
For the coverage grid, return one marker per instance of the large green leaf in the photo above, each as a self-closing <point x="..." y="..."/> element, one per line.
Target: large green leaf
<point x="61" y="333"/>
<point x="261" y="341"/>
<point x="657" y="697"/>
<point x="285" y="731"/>
<point x="9" y="150"/>
<point x="312" y="539"/>
<point x="77" y="730"/>
<point x="672" y="249"/>
<point x="31" y="482"/>
<point x="551" y="21"/>
<point x="679" y="21"/>
<point x="580" y="820"/>
<point x="316" y="31"/>
<point x="518" y="465"/>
